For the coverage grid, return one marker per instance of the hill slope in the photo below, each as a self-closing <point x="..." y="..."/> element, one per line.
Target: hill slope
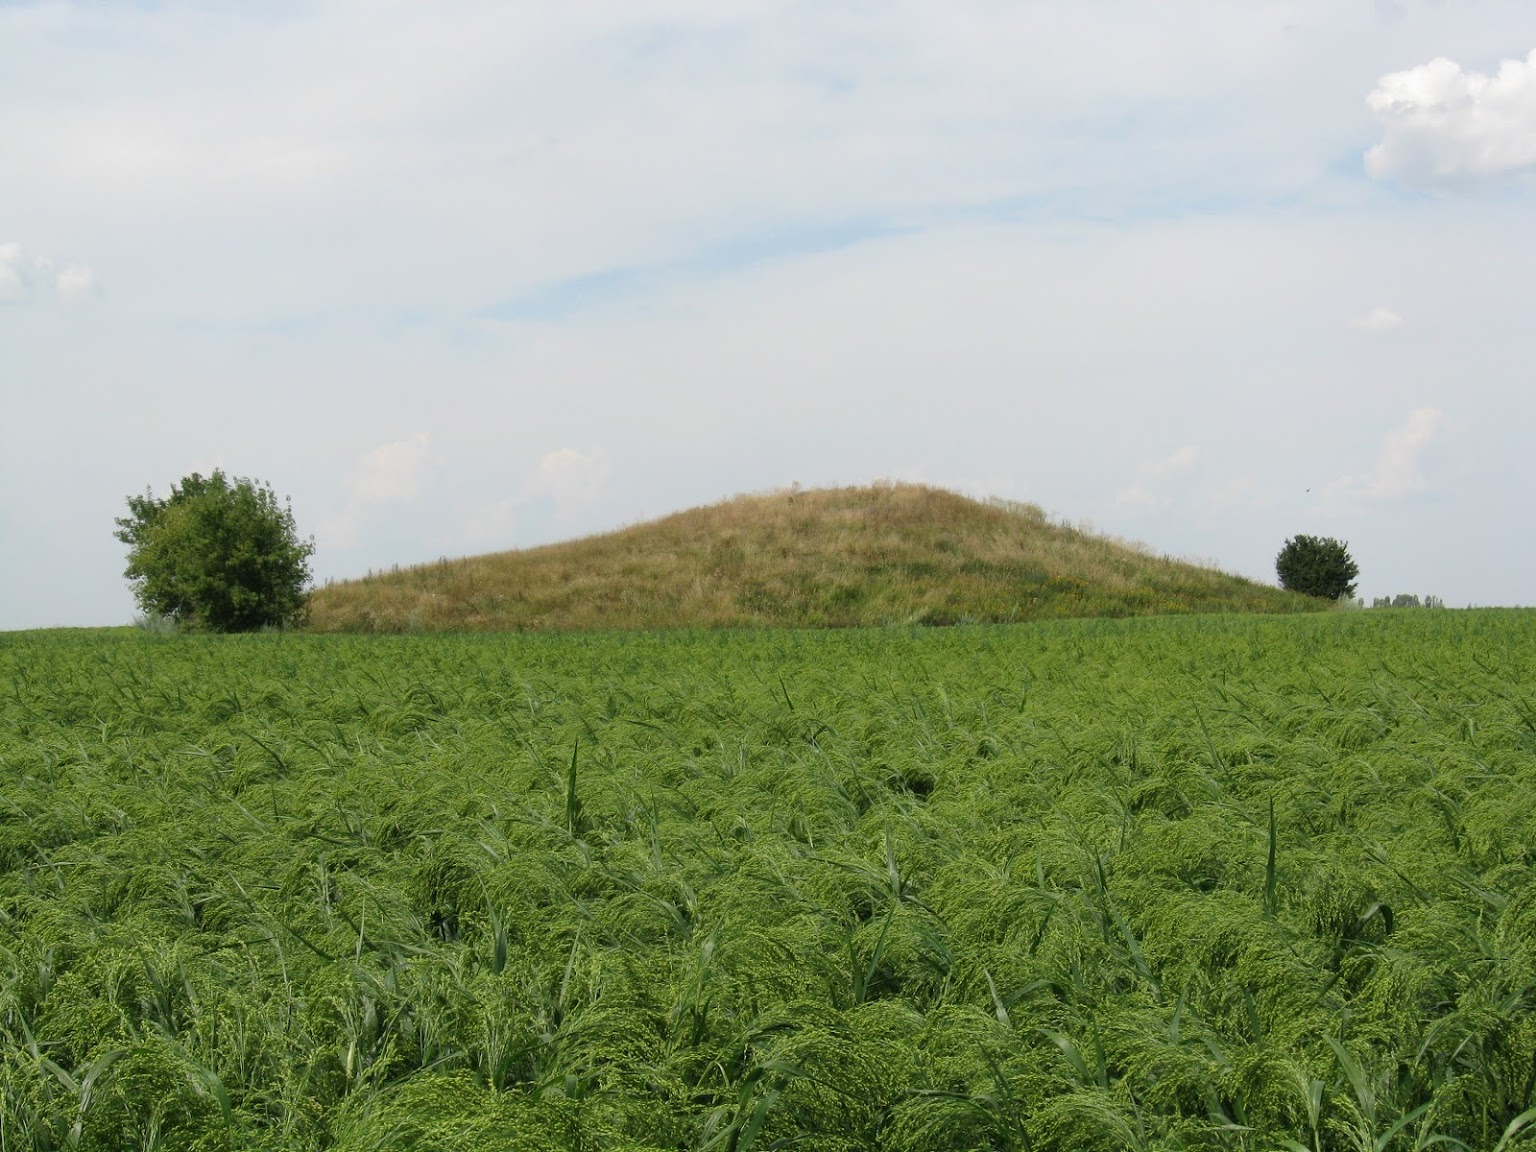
<point x="837" y="557"/>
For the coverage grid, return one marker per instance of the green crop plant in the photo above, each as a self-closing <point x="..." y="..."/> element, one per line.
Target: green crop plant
<point x="1204" y="883"/>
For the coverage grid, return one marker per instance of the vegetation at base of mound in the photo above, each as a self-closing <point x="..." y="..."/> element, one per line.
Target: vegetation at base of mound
<point x="1205" y="883"/>
<point x="844" y="557"/>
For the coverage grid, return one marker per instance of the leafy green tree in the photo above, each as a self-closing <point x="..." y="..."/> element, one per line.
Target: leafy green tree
<point x="217" y="554"/>
<point x="1317" y="566"/>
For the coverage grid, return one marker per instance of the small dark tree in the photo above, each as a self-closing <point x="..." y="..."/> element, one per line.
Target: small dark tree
<point x="217" y="554"/>
<point x="1317" y="566"/>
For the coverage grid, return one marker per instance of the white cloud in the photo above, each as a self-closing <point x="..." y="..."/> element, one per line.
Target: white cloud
<point x="391" y="473"/>
<point x="1137" y="496"/>
<point x="1141" y="496"/>
<point x="75" y="284"/>
<point x="1378" y="319"/>
<point x="1443" y="123"/>
<point x="21" y="273"/>
<point x="1397" y="472"/>
<point x="1237" y="491"/>
<point x="1177" y="464"/>
<point x="491" y="525"/>
<point x="13" y="273"/>
<point x="569" y="477"/>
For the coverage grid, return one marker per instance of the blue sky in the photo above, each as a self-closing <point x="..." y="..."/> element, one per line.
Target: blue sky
<point x="467" y="275"/>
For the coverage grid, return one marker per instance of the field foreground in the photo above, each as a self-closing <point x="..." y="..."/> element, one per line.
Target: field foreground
<point x="1221" y="882"/>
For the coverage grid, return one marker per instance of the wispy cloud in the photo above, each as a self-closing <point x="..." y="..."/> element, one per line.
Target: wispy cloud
<point x="1176" y="464"/>
<point x="1142" y="495"/>
<point x="1136" y="497"/>
<point x="1444" y="124"/>
<point x="1397" y="473"/>
<point x="390" y="474"/>
<point x="1378" y="319"/>
<point x="75" y="284"/>
<point x="27" y="277"/>
<point x="14" y="274"/>
<point x="569" y="478"/>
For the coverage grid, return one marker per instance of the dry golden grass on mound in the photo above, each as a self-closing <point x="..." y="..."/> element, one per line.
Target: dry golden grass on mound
<point x="837" y="557"/>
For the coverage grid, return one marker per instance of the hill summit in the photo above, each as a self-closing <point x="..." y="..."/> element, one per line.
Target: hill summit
<point x="827" y="558"/>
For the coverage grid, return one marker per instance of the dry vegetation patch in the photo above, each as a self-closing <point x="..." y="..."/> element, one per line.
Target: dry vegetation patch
<point x="841" y="557"/>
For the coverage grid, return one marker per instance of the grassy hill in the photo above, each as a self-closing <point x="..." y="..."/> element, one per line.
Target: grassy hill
<point x="841" y="557"/>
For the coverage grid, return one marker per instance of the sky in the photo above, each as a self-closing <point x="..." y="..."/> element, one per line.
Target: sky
<point x="468" y="275"/>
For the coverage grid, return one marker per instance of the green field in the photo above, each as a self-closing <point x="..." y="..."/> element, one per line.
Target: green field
<point x="1215" y="882"/>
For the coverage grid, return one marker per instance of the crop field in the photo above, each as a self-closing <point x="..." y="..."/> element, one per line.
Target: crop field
<point x="1200" y="882"/>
